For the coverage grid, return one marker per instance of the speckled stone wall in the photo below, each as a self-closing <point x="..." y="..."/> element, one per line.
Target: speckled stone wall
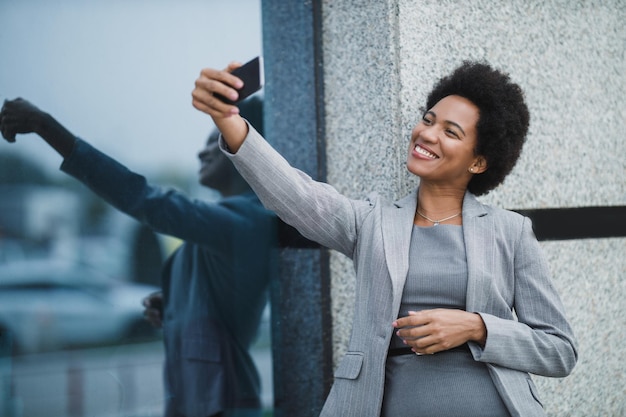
<point x="380" y="60"/>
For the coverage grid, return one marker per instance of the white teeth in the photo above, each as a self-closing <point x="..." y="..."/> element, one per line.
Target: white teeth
<point x="424" y="152"/>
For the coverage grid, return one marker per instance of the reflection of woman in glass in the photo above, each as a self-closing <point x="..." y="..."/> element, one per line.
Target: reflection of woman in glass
<point x="214" y="285"/>
<point x="454" y="303"/>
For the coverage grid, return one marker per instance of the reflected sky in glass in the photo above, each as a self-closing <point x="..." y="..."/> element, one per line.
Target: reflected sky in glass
<point x="120" y="73"/>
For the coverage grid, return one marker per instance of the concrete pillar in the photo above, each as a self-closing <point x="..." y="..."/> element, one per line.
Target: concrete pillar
<point x="293" y="97"/>
<point x="381" y="58"/>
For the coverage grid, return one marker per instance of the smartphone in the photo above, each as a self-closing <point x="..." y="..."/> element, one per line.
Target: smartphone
<point x="251" y="73"/>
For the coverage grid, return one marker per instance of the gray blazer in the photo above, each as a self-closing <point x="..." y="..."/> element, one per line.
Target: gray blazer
<point x="508" y="282"/>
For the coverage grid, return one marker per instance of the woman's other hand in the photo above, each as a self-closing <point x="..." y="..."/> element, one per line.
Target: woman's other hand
<point x="432" y="331"/>
<point x="153" y="309"/>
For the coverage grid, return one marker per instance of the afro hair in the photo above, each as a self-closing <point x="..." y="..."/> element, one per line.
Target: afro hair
<point x="503" y="118"/>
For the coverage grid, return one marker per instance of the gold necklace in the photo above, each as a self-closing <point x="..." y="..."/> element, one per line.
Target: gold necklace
<point x="436" y="222"/>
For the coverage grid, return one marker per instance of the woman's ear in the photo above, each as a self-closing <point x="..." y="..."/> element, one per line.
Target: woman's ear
<point x="479" y="166"/>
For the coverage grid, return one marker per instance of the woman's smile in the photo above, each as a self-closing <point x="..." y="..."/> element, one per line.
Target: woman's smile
<point x="420" y="151"/>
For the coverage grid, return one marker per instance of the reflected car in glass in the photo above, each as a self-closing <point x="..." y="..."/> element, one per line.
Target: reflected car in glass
<point x="47" y="305"/>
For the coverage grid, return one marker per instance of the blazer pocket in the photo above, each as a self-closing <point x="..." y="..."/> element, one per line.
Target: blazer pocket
<point x="194" y="348"/>
<point x="534" y="391"/>
<point x="350" y="366"/>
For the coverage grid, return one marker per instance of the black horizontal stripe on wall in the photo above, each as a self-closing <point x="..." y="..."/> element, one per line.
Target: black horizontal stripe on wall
<point x="578" y="222"/>
<point x="289" y="237"/>
<point x="548" y="224"/>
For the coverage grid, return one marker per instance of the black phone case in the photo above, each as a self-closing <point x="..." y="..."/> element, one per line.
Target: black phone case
<point x="251" y="73"/>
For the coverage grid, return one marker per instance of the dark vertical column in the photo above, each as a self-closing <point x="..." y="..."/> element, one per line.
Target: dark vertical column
<point x="301" y="325"/>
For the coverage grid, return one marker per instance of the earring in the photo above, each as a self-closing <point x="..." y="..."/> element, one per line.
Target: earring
<point x="471" y="170"/>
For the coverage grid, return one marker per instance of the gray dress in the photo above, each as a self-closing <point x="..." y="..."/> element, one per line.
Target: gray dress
<point x="449" y="383"/>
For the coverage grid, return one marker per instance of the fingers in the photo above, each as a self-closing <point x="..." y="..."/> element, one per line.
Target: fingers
<point x="431" y="331"/>
<point x="413" y="333"/>
<point x="8" y="127"/>
<point x="233" y="66"/>
<point x="153" y="300"/>
<point x="153" y="316"/>
<point x="426" y="344"/>
<point x="205" y="101"/>
<point x="4" y="124"/>
<point x="213" y="83"/>
<point x="415" y="318"/>
<point x="16" y="117"/>
<point x="420" y="331"/>
<point x="146" y="302"/>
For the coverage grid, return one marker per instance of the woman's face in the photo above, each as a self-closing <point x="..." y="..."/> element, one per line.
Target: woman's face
<point x="442" y="144"/>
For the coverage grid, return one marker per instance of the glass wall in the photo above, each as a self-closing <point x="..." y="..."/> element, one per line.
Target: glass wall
<point x="74" y="270"/>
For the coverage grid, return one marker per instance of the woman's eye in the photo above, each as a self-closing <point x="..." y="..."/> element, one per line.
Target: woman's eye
<point x="427" y="121"/>
<point x="452" y="133"/>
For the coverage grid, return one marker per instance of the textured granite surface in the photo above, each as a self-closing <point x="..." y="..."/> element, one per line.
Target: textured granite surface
<point x="591" y="277"/>
<point x="380" y="60"/>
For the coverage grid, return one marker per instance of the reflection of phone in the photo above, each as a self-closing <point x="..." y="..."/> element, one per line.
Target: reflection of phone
<point x="251" y="73"/>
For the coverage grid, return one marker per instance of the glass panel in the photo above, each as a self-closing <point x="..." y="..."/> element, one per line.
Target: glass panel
<point x="73" y="270"/>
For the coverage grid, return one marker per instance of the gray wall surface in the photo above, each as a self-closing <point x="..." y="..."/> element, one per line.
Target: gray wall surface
<point x="380" y="60"/>
<point x="301" y="322"/>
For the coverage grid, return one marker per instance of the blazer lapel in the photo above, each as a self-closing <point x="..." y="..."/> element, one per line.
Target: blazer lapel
<point x="479" y="249"/>
<point x="397" y="225"/>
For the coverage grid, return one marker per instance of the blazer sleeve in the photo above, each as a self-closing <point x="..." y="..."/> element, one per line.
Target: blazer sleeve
<point x="164" y="210"/>
<point x="541" y="340"/>
<point x="317" y="210"/>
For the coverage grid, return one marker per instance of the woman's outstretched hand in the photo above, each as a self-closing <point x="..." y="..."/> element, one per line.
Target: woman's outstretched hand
<point x="225" y="116"/>
<point x="19" y="116"/>
<point x="432" y="331"/>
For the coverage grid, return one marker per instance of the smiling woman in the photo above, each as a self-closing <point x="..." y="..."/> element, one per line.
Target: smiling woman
<point x="449" y="320"/>
<point x="95" y="58"/>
